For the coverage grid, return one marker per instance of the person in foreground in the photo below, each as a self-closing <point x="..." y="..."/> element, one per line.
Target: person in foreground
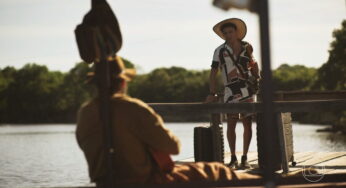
<point x="138" y="132"/>
<point x="240" y="78"/>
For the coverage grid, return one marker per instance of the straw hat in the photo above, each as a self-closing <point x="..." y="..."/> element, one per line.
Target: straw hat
<point x="240" y="24"/>
<point x="116" y="69"/>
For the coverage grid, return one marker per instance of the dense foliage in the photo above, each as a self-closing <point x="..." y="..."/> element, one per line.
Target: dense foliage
<point x="33" y="94"/>
<point x="332" y="74"/>
<point x="173" y="84"/>
<point x="296" y="77"/>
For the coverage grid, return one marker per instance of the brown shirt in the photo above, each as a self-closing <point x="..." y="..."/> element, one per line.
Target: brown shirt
<point x="136" y="129"/>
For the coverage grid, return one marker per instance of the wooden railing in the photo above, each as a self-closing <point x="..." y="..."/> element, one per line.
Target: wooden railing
<point x="284" y="102"/>
<point x="296" y="101"/>
<point x="308" y="95"/>
<point x="190" y="109"/>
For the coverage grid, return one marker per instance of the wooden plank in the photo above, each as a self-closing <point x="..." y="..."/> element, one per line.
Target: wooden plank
<point x="320" y="157"/>
<point x="191" y="109"/>
<point x="335" y="165"/>
<point x="338" y="162"/>
<point x="253" y="159"/>
<point x="336" y="171"/>
<point x="251" y="156"/>
<point x="334" y="162"/>
<point x="303" y="156"/>
<point x="315" y="159"/>
<point x="299" y="155"/>
<point x="314" y="185"/>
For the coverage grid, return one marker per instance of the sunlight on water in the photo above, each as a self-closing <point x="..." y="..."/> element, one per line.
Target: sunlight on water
<point x="48" y="155"/>
<point x="33" y="156"/>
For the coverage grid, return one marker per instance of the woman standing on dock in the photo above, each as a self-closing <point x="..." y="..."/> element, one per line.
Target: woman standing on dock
<point x="240" y="77"/>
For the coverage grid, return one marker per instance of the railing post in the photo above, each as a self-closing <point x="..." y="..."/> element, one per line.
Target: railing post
<point x="286" y="139"/>
<point x="217" y="137"/>
<point x="267" y="91"/>
<point x="282" y="140"/>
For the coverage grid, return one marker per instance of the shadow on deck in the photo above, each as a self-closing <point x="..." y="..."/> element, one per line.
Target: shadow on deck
<point x="324" y="162"/>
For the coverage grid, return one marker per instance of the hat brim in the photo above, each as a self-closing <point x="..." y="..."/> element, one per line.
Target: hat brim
<point x="126" y="74"/>
<point x="240" y="24"/>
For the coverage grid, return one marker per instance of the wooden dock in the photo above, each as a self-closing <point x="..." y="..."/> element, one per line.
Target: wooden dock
<point x="324" y="162"/>
<point x="330" y="165"/>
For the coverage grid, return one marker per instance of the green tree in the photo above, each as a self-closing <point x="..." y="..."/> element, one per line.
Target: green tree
<point x="74" y="91"/>
<point x="173" y="84"/>
<point x="332" y="74"/>
<point x="6" y="79"/>
<point x="31" y="94"/>
<point x="296" y="77"/>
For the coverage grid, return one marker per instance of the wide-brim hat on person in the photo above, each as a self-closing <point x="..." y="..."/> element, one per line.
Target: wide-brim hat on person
<point x="117" y="69"/>
<point x="240" y="24"/>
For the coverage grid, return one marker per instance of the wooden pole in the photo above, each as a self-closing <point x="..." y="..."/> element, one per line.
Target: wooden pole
<point x="267" y="90"/>
<point x="217" y="137"/>
<point x="102" y="74"/>
<point x="103" y="84"/>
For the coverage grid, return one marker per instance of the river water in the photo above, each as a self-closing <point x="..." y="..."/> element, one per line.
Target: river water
<point x="48" y="155"/>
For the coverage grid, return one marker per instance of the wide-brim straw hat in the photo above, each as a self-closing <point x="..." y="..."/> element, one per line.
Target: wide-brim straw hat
<point x="240" y="24"/>
<point x="117" y="69"/>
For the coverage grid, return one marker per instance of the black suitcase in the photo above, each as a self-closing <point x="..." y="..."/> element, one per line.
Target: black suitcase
<point x="208" y="144"/>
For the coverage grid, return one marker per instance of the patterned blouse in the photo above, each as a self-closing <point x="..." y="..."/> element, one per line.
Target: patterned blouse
<point x="235" y="72"/>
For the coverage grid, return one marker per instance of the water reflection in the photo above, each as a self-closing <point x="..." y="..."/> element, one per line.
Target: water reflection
<point x="48" y="156"/>
<point x="307" y="138"/>
<point x="338" y="140"/>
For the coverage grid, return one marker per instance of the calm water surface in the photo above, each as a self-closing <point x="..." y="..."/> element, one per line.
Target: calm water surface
<point x="48" y="155"/>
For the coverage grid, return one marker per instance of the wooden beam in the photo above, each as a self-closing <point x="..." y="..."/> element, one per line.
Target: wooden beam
<point x="311" y="106"/>
<point x="192" y="109"/>
<point x="308" y="95"/>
